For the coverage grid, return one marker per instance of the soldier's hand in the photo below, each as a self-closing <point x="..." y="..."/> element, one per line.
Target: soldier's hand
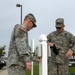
<point x="28" y="65"/>
<point x="69" y="53"/>
<point x="50" y="44"/>
<point x="39" y="59"/>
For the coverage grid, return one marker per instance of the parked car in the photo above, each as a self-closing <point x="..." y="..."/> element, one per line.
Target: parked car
<point x="72" y="62"/>
<point x="3" y="62"/>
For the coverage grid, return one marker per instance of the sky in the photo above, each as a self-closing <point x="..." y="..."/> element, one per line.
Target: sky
<point x="45" y="11"/>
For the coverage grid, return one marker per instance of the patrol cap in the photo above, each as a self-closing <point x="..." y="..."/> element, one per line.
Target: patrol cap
<point x="59" y="22"/>
<point x="33" y="19"/>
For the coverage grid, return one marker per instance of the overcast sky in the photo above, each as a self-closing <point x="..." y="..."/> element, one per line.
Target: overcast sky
<point x="45" y="11"/>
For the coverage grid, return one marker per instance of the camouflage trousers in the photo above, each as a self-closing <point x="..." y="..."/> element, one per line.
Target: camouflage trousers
<point x="58" y="69"/>
<point x="16" y="70"/>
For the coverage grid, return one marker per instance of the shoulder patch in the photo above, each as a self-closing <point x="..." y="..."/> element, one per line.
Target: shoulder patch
<point x="23" y="29"/>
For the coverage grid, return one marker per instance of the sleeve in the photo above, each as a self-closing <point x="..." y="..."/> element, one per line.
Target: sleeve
<point x="54" y="48"/>
<point x="49" y="38"/>
<point x="72" y="45"/>
<point x="22" y="46"/>
<point x="12" y="40"/>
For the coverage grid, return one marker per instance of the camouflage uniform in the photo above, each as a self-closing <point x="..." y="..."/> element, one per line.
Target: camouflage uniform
<point x="58" y="64"/>
<point x="16" y="70"/>
<point x="19" y="51"/>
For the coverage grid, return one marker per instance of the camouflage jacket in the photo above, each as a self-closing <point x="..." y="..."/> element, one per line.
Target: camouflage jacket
<point x="19" y="50"/>
<point x="62" y="41"/>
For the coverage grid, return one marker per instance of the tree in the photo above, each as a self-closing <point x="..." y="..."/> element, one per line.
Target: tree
<point x="2" y="51"/>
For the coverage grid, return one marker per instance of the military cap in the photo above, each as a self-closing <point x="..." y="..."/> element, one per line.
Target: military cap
<point x="33" y="19"/>
<point x="59" y="22"/>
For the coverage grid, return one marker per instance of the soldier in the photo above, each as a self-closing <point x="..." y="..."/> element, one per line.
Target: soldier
<point x="58" y="63"/>
<point x="19" y="56"/>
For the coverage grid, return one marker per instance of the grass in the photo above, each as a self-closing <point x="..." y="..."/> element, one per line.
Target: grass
<point x="72" y="69"/>
<point x="36" y="70"/>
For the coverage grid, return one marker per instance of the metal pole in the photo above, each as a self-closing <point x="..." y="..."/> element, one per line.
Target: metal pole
<point x="19" y="5"/>
<point x="21" y="14"/>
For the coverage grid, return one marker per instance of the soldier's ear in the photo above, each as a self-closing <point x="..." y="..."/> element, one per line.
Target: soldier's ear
<point x="64" y="25"/>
